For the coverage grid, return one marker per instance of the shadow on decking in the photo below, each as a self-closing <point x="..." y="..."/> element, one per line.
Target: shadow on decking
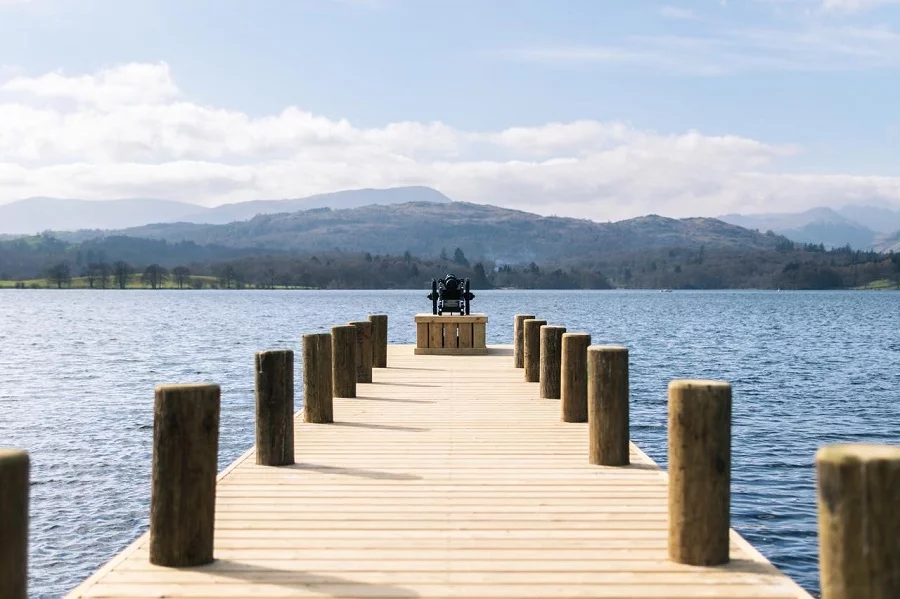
<point x="357" y="472"/>
<point x="325" y="584"/>
<point x="395" y="399"/>
<point x="383" y="427"/>
<point x="500" y="351"/>
<point x="404" y="384"/>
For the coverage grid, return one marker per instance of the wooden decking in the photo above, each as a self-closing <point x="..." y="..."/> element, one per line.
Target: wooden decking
<point x="446" y="477"/>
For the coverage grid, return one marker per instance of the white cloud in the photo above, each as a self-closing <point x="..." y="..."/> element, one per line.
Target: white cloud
<point x="131" y="133"/>
<point x="132" y="83"/>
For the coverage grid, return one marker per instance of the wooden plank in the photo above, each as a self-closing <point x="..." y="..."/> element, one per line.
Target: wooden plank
<point x="435" y="335"/>
<point x="465" y="335"/>
<point x="450" y="338"/>
<point x="421" y="334"/>
<point x="478" y="335"/>
<point x="448" y="478"/>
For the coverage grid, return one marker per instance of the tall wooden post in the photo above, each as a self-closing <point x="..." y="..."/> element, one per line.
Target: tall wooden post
<point x="608" y="427"/>
<point x="519" y="339"/>
<point x="364" y="355"/>
<point x="699" y="471"/>
<point x="532" y="348"/>
<point x="275" y="407"/>
<point x="551" y="361"/>
<point x="183" y="489"/>
<point x="379" y="340"/>
<point x="14" y="485"/>
<point x="317" y="383"/>
<point x="859" y="521"/>
<point x="573" y="389"/>
<point x="343" y="360"/>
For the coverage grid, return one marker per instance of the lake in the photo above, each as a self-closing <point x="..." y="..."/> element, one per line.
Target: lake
<point x="78" y="370"/>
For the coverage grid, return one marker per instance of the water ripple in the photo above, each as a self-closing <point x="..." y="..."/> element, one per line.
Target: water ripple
<point x="78" y="371"/>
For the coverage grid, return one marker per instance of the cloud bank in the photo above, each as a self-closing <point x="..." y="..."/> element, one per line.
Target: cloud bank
<point x="128" y="131"/>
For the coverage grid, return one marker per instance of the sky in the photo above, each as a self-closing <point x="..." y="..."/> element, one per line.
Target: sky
<point x="600" y="109"/>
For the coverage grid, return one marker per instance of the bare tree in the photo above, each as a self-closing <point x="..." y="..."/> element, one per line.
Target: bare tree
<point x="154" y="275"/>
<point x="103" y="272"/>
<point x="60" y="274"/>
<point x="91" y="272"/>
<point x="182" y="276"/>
<point x="122" y="271"/>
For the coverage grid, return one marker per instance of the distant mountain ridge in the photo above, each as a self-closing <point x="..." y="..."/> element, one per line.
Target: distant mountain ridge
<point x="33" y="215"/>
<point x="426" y="228"/>
<point x="862" y="227"/>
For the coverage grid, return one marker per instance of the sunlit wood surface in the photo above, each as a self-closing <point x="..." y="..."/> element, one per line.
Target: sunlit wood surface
<point x="446" y="477"/>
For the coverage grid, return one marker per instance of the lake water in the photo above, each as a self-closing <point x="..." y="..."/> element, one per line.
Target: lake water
<point x="78" y="369"/>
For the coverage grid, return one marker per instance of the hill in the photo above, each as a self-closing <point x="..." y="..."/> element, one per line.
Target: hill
<point x="34" y="215"/>
<point x="486" y="232"/>
<point x="818" y="225"/>
<point x="353" y="198"/>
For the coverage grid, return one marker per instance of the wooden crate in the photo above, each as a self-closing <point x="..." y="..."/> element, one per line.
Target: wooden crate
<point x="451" y="334"/>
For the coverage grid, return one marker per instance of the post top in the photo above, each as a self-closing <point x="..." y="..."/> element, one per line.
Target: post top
<point x="577" y="334"/>
<point x="858" y="452"/>
<point x="187" y="387"/>
<point x="527" y="320"/>
<point x="684" y="384"/>
<point x="314" y="335"/>
<point x="553" y="327"/>
<point x="362" y="323"/>
<point x="608" y="348"/>
<point x="12" y="456"/>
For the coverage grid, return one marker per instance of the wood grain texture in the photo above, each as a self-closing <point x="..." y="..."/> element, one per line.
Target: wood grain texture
<point x="318" y="373"/>
<point x="608" y="427"/>
<point x="379" y="339"/>
<point x="14" y="486"/>
<point x="699" y="471"/>
<point x="364" y="356"/>
<point x="519" y="339"/>
<point x="551" y="361"/>
<point x="532" y="348"/>
<point x="183" y="480"/>
<point x="859" y="523"/>
<point x="445" y="479"/>
<point x="274" y="407"/>
<point x="343" y="361"/>
<point x="573" y="388"/>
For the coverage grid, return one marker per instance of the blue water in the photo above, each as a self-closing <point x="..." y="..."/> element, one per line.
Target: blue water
<point x="78" y="369"/>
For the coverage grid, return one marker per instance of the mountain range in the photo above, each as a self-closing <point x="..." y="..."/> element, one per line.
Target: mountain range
<point x="862" y="227"/>
<point x="383" y="220"/>
<point x="34" y="215"/>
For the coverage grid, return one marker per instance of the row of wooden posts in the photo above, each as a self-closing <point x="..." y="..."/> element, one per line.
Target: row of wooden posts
<point x="858" y="485"/>
<point x="186" y="439"/>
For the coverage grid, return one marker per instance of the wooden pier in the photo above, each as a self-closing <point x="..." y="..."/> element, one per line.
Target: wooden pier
<point x="447" y="476"/>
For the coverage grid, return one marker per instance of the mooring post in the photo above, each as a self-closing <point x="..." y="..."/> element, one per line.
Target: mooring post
<point x="275" y="407"/>
<point x="183" y="488"/>
<point x="699" y="471"/>
<point x="531" y="349"/>
<point x="343" y="360"/>
<point x="363" y="351"/>
<point x="573" y="388"/>
<point x="14" y="485"/>
<point x="519" y="339"/>
<point x="859" y="521"/>
<point x="551" y="361"/>
<point x="379" y="340"/>
<point x="317" y="379"/>
<point x="608" y="426"/>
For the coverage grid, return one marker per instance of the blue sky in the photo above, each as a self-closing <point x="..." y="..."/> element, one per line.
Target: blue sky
<point x="602" y="108"/>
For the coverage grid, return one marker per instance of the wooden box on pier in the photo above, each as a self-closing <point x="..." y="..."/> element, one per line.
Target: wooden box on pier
<point x="451" y="334"/>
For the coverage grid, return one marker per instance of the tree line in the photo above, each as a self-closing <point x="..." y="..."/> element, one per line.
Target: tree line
<point x="788" y="266"/>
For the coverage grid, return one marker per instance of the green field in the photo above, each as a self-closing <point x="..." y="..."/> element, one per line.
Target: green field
<point x="82" y="283"/>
